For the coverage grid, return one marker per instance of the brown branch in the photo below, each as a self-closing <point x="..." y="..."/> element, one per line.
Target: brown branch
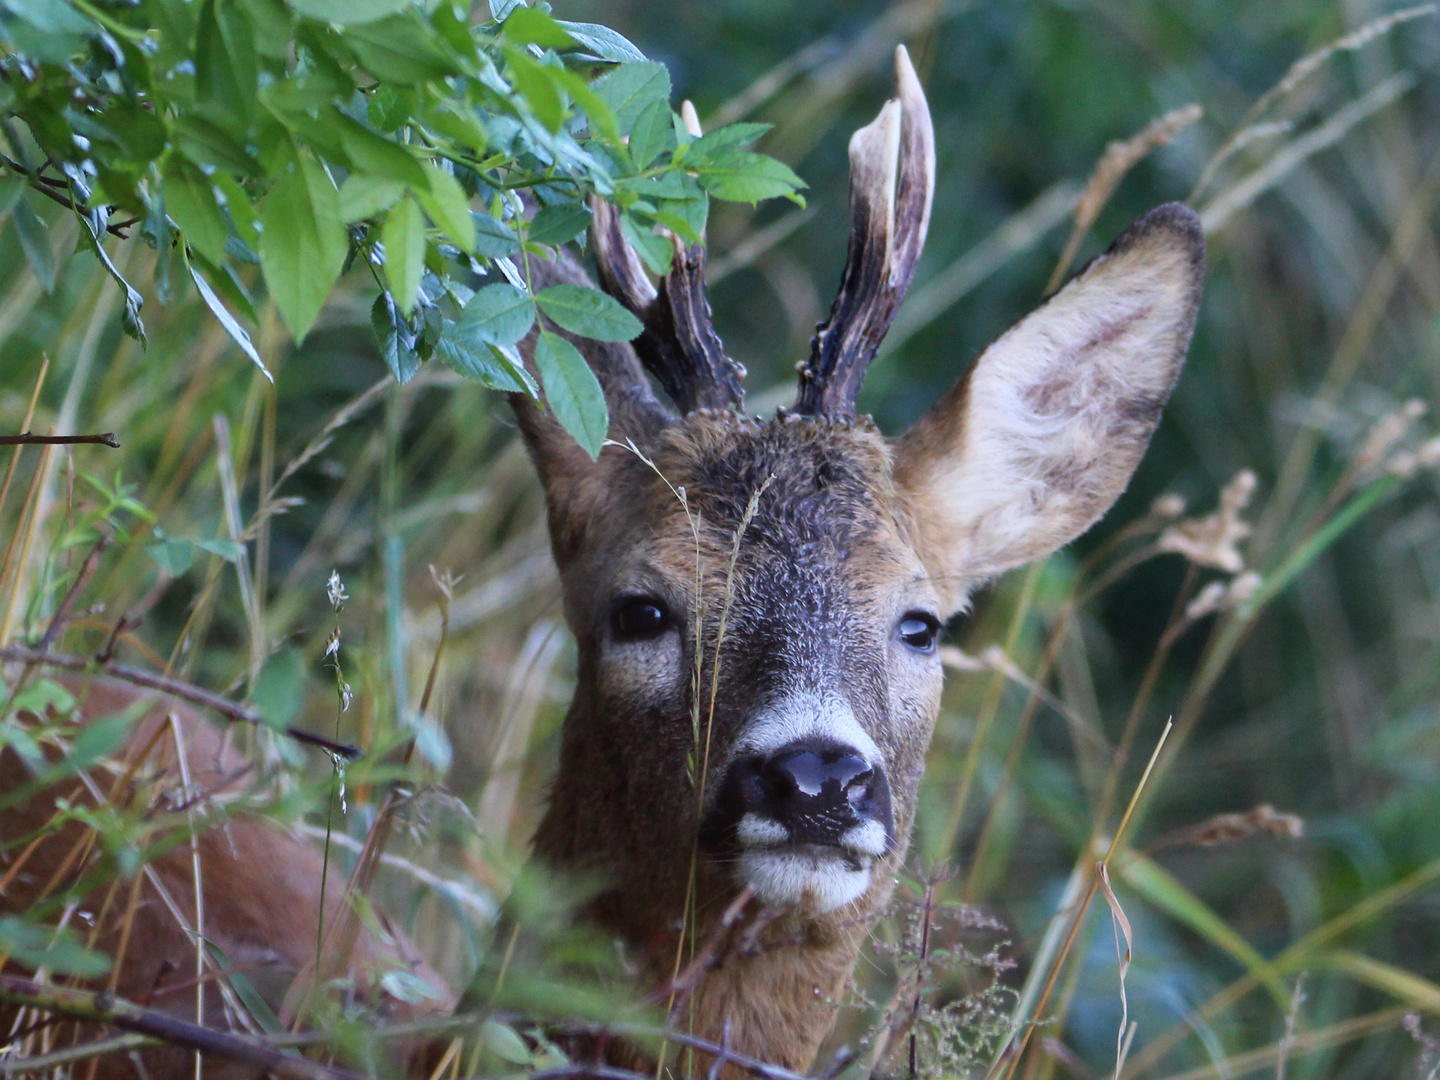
<point x="27" y="439"/>
<point x="196" y="695"/>
<point x="45" y="186"/>
<point x="105" y="1008"/>
<point x="62" y="613"/>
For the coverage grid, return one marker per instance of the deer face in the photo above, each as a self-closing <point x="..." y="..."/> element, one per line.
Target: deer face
<point x="757" y="655"/>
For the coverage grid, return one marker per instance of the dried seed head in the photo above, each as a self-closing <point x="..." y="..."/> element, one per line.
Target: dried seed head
<point x="1211" y="540"/>
<point x="1168" y="506"/>
<point x="335" y="592"/>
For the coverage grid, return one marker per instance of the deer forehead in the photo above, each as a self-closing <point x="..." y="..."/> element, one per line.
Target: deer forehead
<point x="800" y="504"/>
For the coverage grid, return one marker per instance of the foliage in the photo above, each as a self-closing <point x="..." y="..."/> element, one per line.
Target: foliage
<point x="308" y="137"/>
<point x="1316" y="696"/>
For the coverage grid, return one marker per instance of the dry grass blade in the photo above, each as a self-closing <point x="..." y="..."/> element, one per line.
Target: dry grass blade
<point x="1227" y="828"/>
<point x="1120" y="925"/>
<point x="1249" y="130"/>
<point x="1119" y="158"/>
<point x="1219" y="210"/>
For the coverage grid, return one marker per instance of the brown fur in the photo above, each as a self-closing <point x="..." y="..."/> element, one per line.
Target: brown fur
<point x="848" y="535"/>
<point x="260" y="885"/>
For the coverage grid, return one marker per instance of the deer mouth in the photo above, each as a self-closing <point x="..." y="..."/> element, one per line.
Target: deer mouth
<point x="803" y="825"/>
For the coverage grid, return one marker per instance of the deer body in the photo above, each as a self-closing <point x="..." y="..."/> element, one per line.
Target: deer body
<point x="756" y="601"/>
<point x="258" y="886"/>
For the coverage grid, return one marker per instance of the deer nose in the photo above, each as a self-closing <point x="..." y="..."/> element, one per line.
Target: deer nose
<point x="796" y="778"/>
<point x="825" y="795"/>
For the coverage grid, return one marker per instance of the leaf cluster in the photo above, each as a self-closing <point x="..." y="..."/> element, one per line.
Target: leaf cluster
<point x="287" y="141"/>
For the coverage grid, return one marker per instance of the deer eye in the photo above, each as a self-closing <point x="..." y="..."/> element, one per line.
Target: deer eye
<point x="638" y="618"/>
<point x="919" y="630"/>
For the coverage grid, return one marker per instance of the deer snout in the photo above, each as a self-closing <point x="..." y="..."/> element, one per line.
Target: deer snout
<point x="810" y="795"/>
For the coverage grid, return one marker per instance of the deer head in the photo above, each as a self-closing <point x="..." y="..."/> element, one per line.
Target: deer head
<point x="756" y="601"/>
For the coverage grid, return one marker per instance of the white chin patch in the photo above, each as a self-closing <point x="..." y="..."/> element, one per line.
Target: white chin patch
<point x="816" y="882"/>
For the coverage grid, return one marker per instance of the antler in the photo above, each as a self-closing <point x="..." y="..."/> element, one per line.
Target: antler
<point x="892" y="180"/>
<point x="679" y="345"/>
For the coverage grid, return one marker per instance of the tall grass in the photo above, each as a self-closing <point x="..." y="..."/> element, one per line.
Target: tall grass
<point x="1286" y="624"/>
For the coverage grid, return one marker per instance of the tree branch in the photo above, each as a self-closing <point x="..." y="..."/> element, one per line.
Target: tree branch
<point x="27" y="439"/>
<point x="166" y="684"/>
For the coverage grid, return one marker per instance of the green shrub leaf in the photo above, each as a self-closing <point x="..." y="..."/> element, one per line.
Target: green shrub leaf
<point x="588" y="312"/>
<point x="572" y="391"/>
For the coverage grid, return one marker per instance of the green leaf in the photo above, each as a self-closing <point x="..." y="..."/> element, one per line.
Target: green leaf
<point x="303" y="243"/>
<point x="349" y="12"/>
<point x="499" y="314"/>
<point x="363" y="196"/>
<point x="190" y="200"/>
<point x="655" y="251"/>
<point x="503" y="1041"/>
<point x="11" y="188"/>
<point x="588" y="312"/>
<point x="631" y="88"/>
<point x="721" y="141"/>
<point x="374" y="154"/>
<point x="602" y="41"/>
<point x="173" y="556"/>
<point x="401" y="50"/>
<point x="448" y="206"/>
<point x="740" y="176"/>
<point x="397" y="342"/>
<point x="50" y="16"/>
<point x="537" y="83"/>
<point x="404" y="237"/>
<point x="232" y="327"/>
<point x="572" y="391"/>
<point x="652" y="134"/>
<point x="225" y="69"/>
<point x="493" y="238"/>
<point x="529" y="26"/>
<point x="35" y="241"/>
<point x="280" y="688"/>
<point x="61" y="951"/>
<point x="467" y="354"/>
<point x="559" y="224"/>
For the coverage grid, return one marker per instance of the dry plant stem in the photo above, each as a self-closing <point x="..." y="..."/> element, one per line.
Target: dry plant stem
<point x="339" y="939"/>
<point x="1298" y="72"/>
<point x="27" y="439"/>
<point x="705" y="960"/>
<point x="1103" y="865"/>
<point x="105" y="1008"/>
<point x="15" y="456"/>
<point x="1412" y="228"/>
<point x="1119" y="158"/>
<point x="34" y="1064"/>
<point x="167" y="684"/>
<point x="62" y="613"/>
<point x="25" y="537"/>
<point x="1308" y="1043"/>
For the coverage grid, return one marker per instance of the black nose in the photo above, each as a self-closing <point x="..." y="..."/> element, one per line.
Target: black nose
<point x="816" y="792"/>
<point x="795" y="779"/>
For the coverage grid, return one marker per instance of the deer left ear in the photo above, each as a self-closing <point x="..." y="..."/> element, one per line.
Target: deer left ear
<point x="1036" y="442"/>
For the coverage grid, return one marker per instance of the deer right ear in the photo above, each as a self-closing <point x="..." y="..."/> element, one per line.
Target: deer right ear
<point x="1041" y="436"/>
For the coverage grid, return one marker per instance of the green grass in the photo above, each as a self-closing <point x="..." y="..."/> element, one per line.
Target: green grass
<point x="1315" y="694"/>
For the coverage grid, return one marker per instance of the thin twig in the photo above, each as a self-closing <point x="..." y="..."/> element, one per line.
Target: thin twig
<point x="35" y="1064"/>
<point x="105" y="438"/>
<point x="62" y="613"/>
<point x="166" y="684"/>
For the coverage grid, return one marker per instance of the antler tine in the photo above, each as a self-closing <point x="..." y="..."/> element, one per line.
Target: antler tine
<point x="892" y="181"/>
<point x="679" y="345"/>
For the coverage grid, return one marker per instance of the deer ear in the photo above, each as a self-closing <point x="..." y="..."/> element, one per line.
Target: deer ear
<point x="1041" y="436"/>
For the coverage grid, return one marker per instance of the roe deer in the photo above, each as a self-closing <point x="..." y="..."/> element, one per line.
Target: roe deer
<point x="756" y="602"/>
<point x="757" y="666"/>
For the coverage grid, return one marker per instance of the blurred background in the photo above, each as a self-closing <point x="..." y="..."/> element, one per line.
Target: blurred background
<point x="1294" y="940"/>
